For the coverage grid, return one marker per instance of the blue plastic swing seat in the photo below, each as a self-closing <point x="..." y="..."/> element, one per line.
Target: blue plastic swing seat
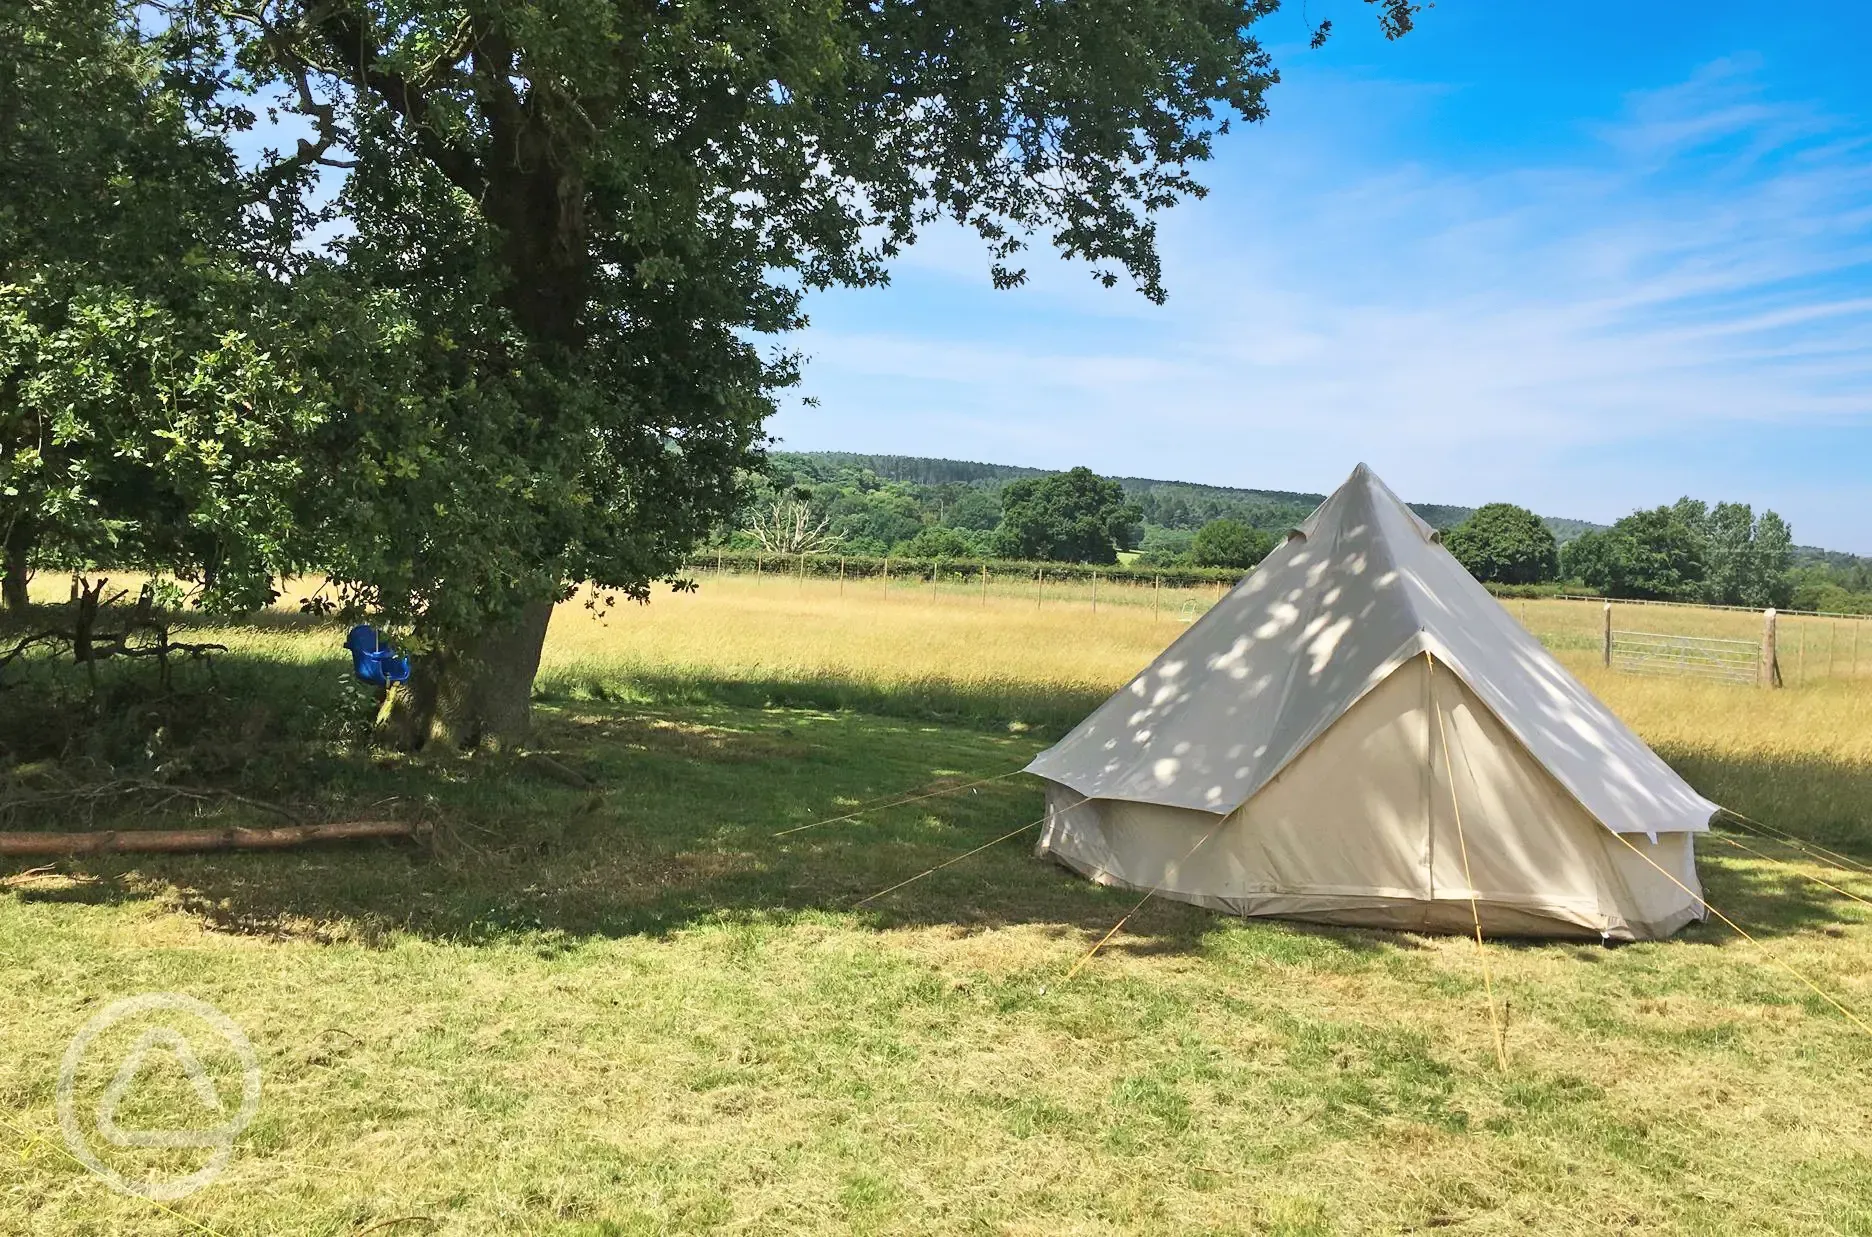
<point x="371" y="661"/>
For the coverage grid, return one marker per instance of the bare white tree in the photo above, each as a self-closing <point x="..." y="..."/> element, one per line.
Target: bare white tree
<point x="788" y="527"/>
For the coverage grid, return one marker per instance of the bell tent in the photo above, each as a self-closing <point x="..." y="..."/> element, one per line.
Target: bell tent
<point x="1359" y="734"/>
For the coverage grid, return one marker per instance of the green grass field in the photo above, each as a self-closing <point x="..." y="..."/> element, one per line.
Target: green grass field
<point x="634" y="1009"/>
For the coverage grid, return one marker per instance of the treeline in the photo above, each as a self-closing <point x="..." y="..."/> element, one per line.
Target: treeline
<point x="958" y="571"/>
<point x="953" y="511"/>
<point x="911" y="509"/>
<point x="1689" y="551"/>
<point x="880" y="504"/>
<point x="910" y="506"/>
<point x="960" y="510"/>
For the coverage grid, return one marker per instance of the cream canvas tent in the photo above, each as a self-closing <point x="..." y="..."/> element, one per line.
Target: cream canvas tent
<point x="1352" y="729"/>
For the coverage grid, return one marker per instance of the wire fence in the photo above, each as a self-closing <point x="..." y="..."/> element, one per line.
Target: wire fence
<point x="1707" y="641"/>
<point x="1704" y="657"/>
<point x="1810" y="648"/>
<point x="1171" y="595"/>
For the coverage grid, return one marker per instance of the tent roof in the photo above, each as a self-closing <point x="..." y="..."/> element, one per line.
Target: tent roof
<point x="1360" y="587"/>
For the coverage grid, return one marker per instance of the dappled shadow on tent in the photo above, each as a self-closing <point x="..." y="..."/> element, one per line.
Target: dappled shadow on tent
<point x="1359" y="589"/>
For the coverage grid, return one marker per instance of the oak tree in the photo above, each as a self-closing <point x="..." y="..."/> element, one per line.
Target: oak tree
<point x="1074" y="517"/>
<point x="557" y="233"/>
<point x="1229" y="543"/>
<point x="1505" y="544"/>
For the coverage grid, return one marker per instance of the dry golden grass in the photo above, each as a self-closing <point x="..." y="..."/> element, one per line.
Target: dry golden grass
<point x="780" y="628"/>
<point x="1799" y="757"/>
<point x="908" y="633"/>
<point x="641" y="1012"/>
<point x="906" y="639"/>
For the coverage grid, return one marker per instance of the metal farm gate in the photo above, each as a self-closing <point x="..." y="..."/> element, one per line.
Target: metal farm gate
<point x="1705" y="657"/>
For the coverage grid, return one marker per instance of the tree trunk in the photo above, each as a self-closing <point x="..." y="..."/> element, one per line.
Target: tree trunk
<point x="477" y="695"/>
<point x="13" y="570"/>
<point x="481" y="692"/>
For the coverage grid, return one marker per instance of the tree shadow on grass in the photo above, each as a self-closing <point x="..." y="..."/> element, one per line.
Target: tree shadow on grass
<point x="1824" y="801"/>
<point x="681" y="825"/>
<point x="678" y="830"/>
<point x="1037" y="709"/>
<point x="1776" y="896"/>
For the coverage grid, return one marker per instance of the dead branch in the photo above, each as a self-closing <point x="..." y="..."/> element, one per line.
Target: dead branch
<point x="28" y="642"/>
<point x="90" y="795"/>
<point x="144" y="634"/>
<point x="558" y="771"/>
<point x="176" y="841"/>
<point x="788" y="528"/>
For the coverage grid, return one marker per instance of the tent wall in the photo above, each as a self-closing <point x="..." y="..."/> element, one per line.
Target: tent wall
<point x="1360" y="829"/>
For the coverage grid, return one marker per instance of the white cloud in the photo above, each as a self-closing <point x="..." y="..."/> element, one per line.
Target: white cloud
<point x="1698" y="273"/>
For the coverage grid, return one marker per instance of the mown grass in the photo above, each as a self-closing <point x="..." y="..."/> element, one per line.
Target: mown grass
<point x="633" y="1009"/>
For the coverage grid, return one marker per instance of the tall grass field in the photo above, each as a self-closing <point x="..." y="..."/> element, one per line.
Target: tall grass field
<point x="657" y="997"/>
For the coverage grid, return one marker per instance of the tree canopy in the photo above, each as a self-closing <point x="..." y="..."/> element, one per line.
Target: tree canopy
<point x="500" y="311"/>
<point x="1229" y="543"/>
<point x="1689" y="552"/>
<point x="1505" y="544"/>
<point x="1074" y="517"/>
<point x="151" y="410"/>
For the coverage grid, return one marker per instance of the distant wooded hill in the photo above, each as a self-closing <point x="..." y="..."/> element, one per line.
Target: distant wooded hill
<point x="912" y="505"/>
<point x="922" y="470"/>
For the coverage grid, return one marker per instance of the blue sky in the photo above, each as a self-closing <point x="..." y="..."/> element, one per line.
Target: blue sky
<point x="1585" y="257"/>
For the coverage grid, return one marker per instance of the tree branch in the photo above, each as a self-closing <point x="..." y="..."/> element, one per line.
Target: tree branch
<point x="492" y="74"/>
<point x="452" y="53"/>
<point x="361" y="64"/>
<point x="324" y="117"/>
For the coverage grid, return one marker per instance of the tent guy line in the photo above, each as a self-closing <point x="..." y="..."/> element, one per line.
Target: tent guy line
<point x="1742" y="932"/>
<point x="945" y="863"/>
<point x="1834" y="859"/>
<point x="1845" y="893"/>
<point x="1100" y="943"/>
<point x="1462" y="843"/>
<point x="879" y="807"/>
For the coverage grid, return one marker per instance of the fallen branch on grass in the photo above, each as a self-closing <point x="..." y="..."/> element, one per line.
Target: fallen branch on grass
<point x="90" y="795"/>
<point x="170" y="841"/>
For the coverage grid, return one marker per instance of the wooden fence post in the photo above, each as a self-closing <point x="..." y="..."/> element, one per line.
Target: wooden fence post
<point x="1039" y="586"/>
<point x="1156" y="596"/>
<point x="984" y="584"/>
<point x="887" y="575"/>
<point x="1606" y="643"/>
<point x="802" y="569"/>
<point x="1770" y="659"/>
<point x="1095" y="592"/>
<point x="757" y="566"/>
<point x="935" y="570"/>
<point x="841" y="577"/>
